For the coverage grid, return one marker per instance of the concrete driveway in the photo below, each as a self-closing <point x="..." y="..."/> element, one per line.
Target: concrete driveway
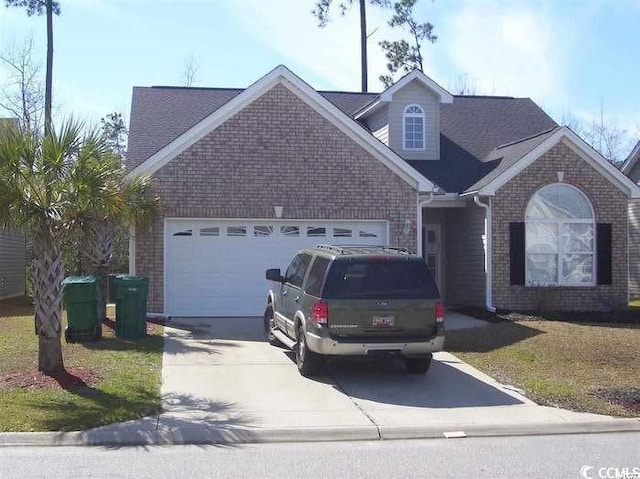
<point x="223" y="382"/>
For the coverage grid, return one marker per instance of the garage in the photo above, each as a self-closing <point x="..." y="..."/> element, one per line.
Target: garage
<point x="216" y="267"/>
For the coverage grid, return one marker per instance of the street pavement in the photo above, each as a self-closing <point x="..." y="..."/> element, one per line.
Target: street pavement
<point x="590" y="456"/>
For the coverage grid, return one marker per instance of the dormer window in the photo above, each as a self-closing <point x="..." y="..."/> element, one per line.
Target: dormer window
<point x="413" y="123"/>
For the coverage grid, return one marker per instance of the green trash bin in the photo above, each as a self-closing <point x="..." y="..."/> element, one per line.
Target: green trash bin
<point x="80" y="297"/>
<point x="131" y="306"/>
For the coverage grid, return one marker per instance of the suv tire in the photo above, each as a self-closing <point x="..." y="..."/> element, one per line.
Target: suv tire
<point x="417" y="365"/>
<point x="307" y="361"/>
<point x="269" y="324"/>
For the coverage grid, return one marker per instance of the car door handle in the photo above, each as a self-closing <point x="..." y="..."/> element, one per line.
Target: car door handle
<point x="296" y="299"/>
<point x="284" y="293"/>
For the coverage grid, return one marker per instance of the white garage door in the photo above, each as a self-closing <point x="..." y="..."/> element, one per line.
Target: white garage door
<point x="217" y="267"/>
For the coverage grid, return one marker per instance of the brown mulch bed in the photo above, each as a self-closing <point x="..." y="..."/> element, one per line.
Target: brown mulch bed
<point x="32" y="380"/>
<point x="630" y="316"/>
<point x="627" y="397"/>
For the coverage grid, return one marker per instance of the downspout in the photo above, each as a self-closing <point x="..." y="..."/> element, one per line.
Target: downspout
<point x="132" y="249"/>
<point x="421" y="204"/>
<point x="488" y="257"/>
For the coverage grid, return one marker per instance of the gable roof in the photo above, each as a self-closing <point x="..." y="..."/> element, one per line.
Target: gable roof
<point x="283" y="76"/>
<point x="420" y="77"/>
<point x="471" y="126"/>
<point x="631" y="160"/>
<point x="515" y="157"/>
<point x="505" y="156"/>
<point x="161" y="114"/>
<point x="387" y="95"/>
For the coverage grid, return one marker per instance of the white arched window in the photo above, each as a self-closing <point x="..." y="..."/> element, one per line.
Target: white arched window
<point x="413" y="125"/>
<point x="560" y="237"/>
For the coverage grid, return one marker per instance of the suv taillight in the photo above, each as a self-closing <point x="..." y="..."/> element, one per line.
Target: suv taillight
<point x="320" y="312"/>
<point x="439" y="312"/>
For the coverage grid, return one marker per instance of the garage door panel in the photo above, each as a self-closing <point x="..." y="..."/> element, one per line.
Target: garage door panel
<point x="213" y="272"/>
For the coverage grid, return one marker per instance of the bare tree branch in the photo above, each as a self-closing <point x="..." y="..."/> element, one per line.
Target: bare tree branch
<point x="603" y="134"/>
<point x="23" y="95"/>
<point x="191" y="68"/>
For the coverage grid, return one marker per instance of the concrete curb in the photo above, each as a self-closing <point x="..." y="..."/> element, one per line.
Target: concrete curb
<point x="113" y="437"/>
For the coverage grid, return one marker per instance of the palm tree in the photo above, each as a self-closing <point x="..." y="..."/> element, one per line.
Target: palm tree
<point x="50" y="187"/>
<point x="105" y="202"/>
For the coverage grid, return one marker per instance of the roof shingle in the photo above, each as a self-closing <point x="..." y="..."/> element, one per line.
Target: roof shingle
<point x="471" y="127"/>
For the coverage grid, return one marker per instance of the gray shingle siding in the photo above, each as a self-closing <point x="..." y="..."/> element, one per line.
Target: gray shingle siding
<point x="634" y="249"/>
<point x="634" y="174"/>
<point x="12" y="264"/>
<point x="378" y="123"/>
<point x="465" y="256"/>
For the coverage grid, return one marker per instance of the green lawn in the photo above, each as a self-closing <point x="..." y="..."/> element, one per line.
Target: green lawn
<point x="589" y="367"/>
<point x="127" y="386"/>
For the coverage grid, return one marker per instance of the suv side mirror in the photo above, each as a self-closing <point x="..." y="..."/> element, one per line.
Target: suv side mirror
<point x="274" y="275"/>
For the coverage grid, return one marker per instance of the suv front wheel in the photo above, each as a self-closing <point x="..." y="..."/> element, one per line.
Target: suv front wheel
<point x="269" y="324"/>
<point x="307" y="361"/>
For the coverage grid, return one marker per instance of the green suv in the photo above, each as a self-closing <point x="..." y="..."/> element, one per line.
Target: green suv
<point x="365" y="301"/>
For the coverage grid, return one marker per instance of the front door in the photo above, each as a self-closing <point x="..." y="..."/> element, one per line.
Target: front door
<point x="432" y="252"/>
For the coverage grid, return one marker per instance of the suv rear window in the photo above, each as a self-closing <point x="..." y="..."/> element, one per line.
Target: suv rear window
<point x="380" y="278"/>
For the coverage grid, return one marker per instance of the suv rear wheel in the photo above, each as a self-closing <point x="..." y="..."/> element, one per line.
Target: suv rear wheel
<point x="307" y="361"/>
<point x="269" y="324"/>
<point x="417" y="365"/>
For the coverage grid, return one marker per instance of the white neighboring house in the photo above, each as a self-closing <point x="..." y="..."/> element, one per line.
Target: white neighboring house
<point x="12" y="264"/>
<point x="631" y="168"/>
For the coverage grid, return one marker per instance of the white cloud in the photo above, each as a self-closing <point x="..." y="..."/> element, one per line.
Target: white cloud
<point x="506" y="48"/>
<point x="331" y="54"/>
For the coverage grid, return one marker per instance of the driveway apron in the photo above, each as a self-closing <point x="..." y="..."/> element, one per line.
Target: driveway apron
<point x="222" y="381"/>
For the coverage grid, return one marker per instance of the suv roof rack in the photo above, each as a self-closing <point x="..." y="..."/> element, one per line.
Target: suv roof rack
<point x="362" y="249"/>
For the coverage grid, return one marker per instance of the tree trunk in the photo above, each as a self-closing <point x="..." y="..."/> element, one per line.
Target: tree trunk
<point x="49" y="76"/>
<point x="48" y="271"/>
<point x="363" y="44"/>
<point x="100" y="252"/>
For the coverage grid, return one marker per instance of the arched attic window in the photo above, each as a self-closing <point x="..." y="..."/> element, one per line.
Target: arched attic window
<point x="413" y="126"/>
<point x="560" y="237"/>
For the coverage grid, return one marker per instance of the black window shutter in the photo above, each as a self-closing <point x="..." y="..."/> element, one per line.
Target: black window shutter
<point x="603" y="252"/>
<point x="517" y="253"/>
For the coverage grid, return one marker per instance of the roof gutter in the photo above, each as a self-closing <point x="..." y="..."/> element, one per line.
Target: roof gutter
<point x="488" y="255"/>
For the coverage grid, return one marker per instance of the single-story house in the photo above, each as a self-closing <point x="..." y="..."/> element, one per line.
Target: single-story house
<point x="631" y="168"/>
<point x="508" y="209"/>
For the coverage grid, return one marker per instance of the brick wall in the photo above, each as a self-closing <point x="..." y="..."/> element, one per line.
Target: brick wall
<point x="610" y="206"/>
<point x="276" y="151"/>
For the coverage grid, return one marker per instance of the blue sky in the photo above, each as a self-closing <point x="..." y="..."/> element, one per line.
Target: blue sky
<point x="570" y="56"/>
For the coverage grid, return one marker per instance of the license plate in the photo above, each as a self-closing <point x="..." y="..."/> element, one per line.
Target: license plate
<point x="383" y="321"/>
